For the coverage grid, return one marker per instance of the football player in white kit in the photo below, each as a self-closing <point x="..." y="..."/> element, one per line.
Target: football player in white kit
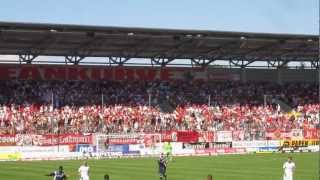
<point x="84" y="171"/>
<point x="288" y="168"/>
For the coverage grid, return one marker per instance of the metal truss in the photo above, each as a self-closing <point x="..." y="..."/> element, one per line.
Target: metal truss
<point x="278" y="63"/>
<point x="241" y="63"/>
<point x="315" y="64"/>
<point x="83" y="50"/>
<point x="161" y="61"/>
<point x="118" y="60"/>
<point x="74" y="59"/>
<point x="27" y="58"/>
<point x="33" y="51"/>
<point x="201" y="61"/>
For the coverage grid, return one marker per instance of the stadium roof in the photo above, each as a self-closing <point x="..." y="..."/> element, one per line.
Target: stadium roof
<point x="162" y="46"/>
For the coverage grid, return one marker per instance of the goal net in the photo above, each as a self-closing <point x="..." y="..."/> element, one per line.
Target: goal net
<point x="118" y="145"/>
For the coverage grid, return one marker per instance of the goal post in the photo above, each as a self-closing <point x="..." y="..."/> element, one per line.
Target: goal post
<point x="111" y="145"/>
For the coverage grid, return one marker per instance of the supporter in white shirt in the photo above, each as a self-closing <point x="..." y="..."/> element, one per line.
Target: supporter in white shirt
<point x="84" y="171"/>
<point x="288" y="168"/>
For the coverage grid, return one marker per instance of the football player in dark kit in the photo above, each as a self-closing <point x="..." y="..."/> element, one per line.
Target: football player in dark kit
<point x="162" y="167"/>
<point x="58" y="175"/>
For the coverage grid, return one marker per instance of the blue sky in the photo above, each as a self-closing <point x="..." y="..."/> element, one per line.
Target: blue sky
<point x="274" y="16"/>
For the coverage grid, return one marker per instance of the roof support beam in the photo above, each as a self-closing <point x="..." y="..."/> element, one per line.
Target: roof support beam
<point x="283" y="63"/>
<point x="278" y="63"/>
<point x="27" y="58"/>
<point x="201" y="61"/>
<point x="241" y="63"/>
<point x="160" y="61"/>
<point x="315" y="64"/>
<point x="118" y="60"/>
<point x="74" y="59"/>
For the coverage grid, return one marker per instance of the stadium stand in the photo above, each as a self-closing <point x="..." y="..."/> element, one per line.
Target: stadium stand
<point x="48" y="106"/>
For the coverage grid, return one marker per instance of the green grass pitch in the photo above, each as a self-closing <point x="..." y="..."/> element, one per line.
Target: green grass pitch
<point x="227" y="167"/>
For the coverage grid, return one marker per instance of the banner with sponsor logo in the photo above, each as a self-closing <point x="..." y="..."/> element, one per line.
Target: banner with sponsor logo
<point x="10" y="156"/>
<point x="118" y="148"/>
<point x="85" y="148"/>
<point x="35" y="149"/>
<point x="147" y="139"/>
<point x="185" y="136"/>
<point x="147" y="143"/>
<point x="125" y="139"/>
<point x="255" y="144"/>
<point x="299" y="143"/>
<point x="7" y="140"/>
<point x="224" y="136"/>
<point x="268" y="149"/>
<point x="29" y="139"/>
<point x="63" y="139"/>
<point x="221" y="151"/>
<point x="299" y="149"/>
<point x="207" y="145"/>
<point x="276" y="134"/>
<point x="44" y="140"/>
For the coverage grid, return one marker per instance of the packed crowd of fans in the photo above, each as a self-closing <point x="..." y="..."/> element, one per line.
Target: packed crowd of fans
<point x="124" y="107"/>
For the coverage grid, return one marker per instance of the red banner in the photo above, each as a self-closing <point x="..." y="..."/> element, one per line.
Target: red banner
<point x="182" y="136"/>
<point x="59" y="72"/>
<point x="311" y="133"/>
<point x="206" y="136"/>
<point x="187" y="136"/>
